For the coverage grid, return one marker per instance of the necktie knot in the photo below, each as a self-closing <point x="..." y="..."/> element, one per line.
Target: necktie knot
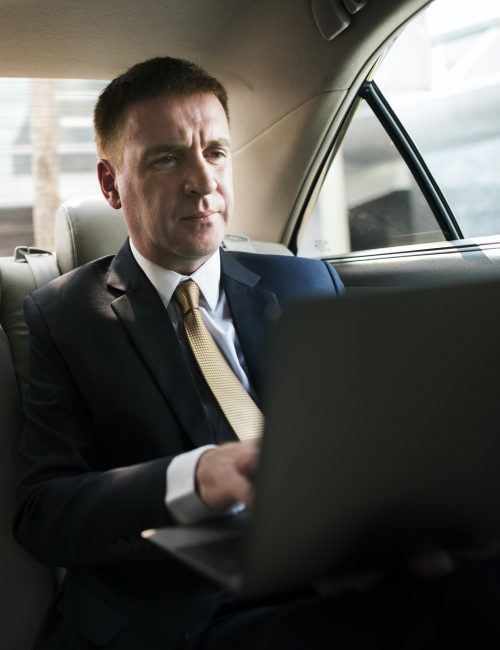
<point x="187" y="295"/>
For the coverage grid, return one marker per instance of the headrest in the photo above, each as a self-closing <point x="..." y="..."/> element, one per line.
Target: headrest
<point x="85" y="229"/>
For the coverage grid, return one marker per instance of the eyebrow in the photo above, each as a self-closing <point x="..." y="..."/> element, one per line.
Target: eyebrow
<point x="224" y="142"/>
<point x="172" y="148"/>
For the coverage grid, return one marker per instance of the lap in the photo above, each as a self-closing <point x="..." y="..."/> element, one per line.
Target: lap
<point x="458" y="611"/>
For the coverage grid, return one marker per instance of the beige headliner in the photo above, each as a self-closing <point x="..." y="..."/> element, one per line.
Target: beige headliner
<point x="287" y="84"/>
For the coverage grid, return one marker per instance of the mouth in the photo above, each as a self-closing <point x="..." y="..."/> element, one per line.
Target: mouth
<point x="201" y="217"/>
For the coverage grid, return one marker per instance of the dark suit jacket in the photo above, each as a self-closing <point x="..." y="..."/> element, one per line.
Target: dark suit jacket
<point x="111" y="401"/>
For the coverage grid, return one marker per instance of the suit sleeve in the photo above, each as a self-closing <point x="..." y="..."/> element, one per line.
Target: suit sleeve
<point x="68" y="510"/>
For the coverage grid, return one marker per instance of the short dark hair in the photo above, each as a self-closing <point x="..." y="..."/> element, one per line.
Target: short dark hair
<point x="158" y="77"/>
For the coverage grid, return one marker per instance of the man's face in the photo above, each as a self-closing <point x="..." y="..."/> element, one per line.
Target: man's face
<point x="174" y="180"/>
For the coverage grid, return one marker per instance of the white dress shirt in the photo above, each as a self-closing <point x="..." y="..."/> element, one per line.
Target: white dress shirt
<point x="181" y="497"/>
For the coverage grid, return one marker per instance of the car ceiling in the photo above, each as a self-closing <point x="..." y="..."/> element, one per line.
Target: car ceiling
<point x="288" y="86"/>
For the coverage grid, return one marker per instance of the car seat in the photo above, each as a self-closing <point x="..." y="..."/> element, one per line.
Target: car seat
<point x="86" y="229"/>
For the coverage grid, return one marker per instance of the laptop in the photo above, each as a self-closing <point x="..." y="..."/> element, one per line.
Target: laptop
<point x="382" y="431"/>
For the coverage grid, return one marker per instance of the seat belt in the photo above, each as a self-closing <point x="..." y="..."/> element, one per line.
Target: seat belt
<point x="42" y="263"/>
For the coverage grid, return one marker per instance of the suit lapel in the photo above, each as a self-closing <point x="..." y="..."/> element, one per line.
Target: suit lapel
<point x="251" y="309"/>
<point x="142" y="313"/>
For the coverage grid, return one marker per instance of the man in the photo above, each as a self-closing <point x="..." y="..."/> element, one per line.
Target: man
<point x="125" y="431"/>
<point x="116" y="397"/>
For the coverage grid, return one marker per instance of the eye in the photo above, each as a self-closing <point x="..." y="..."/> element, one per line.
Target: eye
<point x="217" y="156"/>
<point x="167" y="159"/>
<point x="163" y="160"/>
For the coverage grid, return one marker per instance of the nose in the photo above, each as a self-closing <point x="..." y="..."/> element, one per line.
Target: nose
<point x="200" y="179"/>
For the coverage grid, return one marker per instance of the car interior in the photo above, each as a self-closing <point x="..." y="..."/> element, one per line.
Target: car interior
<point x="295" y="72"/>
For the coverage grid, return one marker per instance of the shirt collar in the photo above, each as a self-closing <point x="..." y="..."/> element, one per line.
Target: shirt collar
<point x="165" y="281"/>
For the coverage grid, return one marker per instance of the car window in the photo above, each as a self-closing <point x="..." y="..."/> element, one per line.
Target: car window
<point x="441" y="80"/>
<point x="47" y="154"/>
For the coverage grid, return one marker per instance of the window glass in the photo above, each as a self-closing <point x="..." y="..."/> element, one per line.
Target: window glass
<point x="369" y="198"/>
<point x="452" y="107"/>
<point x="442" y="79"/>
<point x="47" y="154"/>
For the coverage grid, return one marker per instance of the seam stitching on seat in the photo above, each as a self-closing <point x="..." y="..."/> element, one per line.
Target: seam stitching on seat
<point x="72" y="230"/>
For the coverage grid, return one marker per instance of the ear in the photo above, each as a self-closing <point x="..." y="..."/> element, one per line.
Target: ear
<point x="107" y="180"/>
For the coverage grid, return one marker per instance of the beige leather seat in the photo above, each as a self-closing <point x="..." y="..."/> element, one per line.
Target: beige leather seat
<point x="86" y="229"/>
<point x="25" y="585"/>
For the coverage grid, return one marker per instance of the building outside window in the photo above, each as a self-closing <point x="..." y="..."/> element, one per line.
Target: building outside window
<point x="47" y="154"/>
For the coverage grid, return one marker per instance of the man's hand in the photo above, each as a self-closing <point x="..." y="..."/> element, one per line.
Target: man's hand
<point x="430" y="561"/>
<point x="224" y="474"/>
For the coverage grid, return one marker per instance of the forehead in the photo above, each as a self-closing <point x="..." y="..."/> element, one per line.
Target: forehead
<point x="176" y="119"/>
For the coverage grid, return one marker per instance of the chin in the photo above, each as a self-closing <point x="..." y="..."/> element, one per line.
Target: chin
<point x="206" y="246"/>
<point x="204" y="252"/>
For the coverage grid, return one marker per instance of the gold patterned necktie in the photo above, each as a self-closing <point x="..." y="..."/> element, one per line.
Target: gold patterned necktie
<point x="239" y="409"/>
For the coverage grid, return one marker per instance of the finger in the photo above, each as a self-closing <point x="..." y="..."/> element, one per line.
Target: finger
<point x="337" y="585"/>
<point x="484" y="551"/>
<point x="242" y="490"/>
<point x="431" y="564"/>
<point x="247" y="461"/>
<point x="233" y="488"/>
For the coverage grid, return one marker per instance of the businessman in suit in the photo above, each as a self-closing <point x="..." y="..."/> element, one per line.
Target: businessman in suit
<point x="123" y="430"/>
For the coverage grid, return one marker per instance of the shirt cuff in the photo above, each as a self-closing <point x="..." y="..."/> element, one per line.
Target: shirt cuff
<point x="181" y="498"/>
